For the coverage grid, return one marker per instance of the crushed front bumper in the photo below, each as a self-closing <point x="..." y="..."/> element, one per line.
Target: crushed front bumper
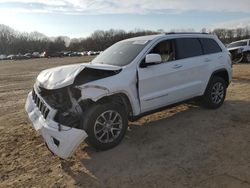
<point x="62" y="142"/>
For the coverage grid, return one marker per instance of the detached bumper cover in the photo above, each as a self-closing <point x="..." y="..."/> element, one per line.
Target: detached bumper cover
<point x="62" y="143"/>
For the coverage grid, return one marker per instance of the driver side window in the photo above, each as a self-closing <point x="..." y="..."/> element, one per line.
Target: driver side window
<point x="165" y="49"/>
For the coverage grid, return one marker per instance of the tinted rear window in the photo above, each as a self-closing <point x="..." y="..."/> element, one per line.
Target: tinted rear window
<point x="210" y="46"/>
<point x="188" y="47"/>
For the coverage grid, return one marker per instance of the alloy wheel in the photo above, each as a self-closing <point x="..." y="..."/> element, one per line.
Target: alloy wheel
<point x="108" y="126"/>
<point x="217" y="93"/>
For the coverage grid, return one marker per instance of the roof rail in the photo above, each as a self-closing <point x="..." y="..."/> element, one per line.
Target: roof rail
<point x="172" y="33"/>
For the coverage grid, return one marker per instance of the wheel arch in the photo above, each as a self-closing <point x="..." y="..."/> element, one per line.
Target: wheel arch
<point x="118" y="98"/>
<point x="223" y="73"/>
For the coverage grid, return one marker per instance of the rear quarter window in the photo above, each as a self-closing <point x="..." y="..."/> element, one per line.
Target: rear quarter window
<point x="210" y="46"/>
<point x="188" y="47"/>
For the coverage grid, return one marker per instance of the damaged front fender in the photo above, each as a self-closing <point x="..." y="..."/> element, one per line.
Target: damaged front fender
<point x="93" y="92"/>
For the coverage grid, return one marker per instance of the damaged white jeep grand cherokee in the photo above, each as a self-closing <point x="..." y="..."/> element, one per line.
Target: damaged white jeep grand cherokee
<point x="94" y="101"/>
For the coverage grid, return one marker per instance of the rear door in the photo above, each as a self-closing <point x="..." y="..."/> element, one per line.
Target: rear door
<point x="213" y="58"/>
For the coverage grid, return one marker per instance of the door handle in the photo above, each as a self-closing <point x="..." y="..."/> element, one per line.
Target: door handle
<point x="177" y="66"/>
<point x="207" y="60"/>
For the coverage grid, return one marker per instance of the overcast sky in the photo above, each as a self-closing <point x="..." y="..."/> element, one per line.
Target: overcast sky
<point x="79" y="18"/>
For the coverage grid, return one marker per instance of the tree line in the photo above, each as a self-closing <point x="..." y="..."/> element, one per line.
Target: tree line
<point x="13" y="42"/>
<point x="229" y="35"/>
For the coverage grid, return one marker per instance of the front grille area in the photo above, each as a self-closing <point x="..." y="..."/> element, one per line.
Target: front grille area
<point x="40" y="104"/>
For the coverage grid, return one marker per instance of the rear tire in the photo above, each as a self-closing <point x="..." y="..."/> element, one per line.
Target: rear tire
<point x="215" y="93"/>
<point x="106" y="125"/>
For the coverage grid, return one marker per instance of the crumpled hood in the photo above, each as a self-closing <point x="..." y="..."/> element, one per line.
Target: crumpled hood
<point x="63" y="76"/>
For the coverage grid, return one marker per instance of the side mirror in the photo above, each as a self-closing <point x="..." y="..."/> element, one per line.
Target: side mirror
<point x="153" y="59"/>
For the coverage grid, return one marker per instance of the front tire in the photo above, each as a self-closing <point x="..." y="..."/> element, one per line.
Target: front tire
<point x="106" y="125"/>
<point x="215" y="93"/>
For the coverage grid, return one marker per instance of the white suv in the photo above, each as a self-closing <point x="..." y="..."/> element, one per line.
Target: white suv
<point x="132" y="78"/>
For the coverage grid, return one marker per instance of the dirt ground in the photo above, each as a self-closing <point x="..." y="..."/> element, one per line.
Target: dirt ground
<point x="184" y="146"/>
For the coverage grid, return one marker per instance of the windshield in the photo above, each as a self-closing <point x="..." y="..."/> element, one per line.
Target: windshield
<point x="237" y="44"/>
<point x="121" y="53"/>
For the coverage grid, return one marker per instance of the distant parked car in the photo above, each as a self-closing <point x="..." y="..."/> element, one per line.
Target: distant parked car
<point x="66" y="53"/>
<point x="3" y="57"/>
<point x="35" y="54"/>
<point x="20" y="57"/>
<point x="11" y="57"/>
<point x="91" y="53"/>
<point x="53" y="54"/>
<point x="28" y="55"/>
<point x="74" y="54"/>
<point x="42" y="55"/>
<point x="240" y="51"/>
<point x="84" y="53"/>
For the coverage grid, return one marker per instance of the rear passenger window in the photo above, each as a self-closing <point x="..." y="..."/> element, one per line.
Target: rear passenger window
<point x="210" y="46"/>
<point x="188" y="47"/>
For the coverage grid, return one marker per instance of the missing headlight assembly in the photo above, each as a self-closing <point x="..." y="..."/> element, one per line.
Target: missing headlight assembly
<point x="68" y="103"/>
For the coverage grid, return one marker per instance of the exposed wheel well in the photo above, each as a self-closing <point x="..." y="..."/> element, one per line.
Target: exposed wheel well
<point x="121" y="99"/>
<point x="223" y="74"/>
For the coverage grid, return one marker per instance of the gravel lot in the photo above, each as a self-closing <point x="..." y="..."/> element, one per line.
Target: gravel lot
<point x="183" y="146"/>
